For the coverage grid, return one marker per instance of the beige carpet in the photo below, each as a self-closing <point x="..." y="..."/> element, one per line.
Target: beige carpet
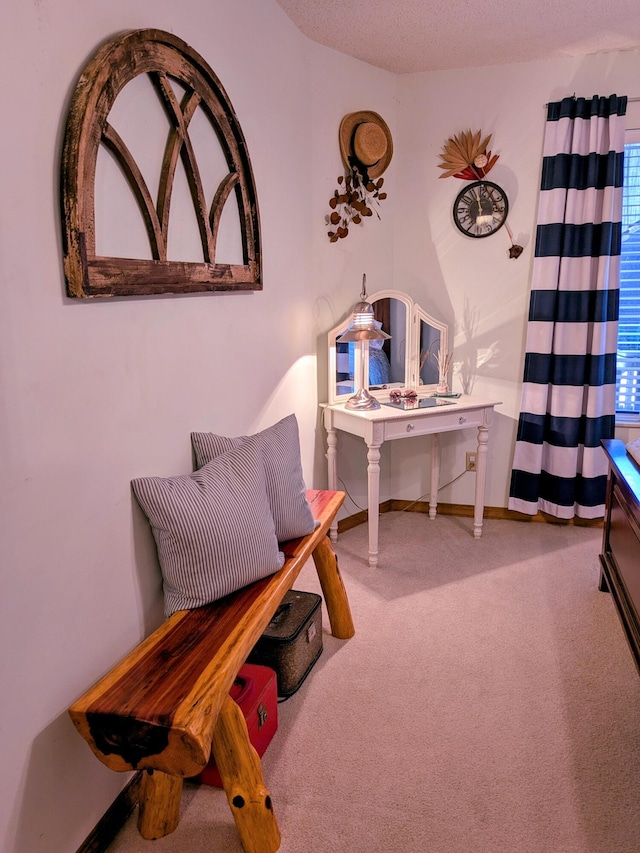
<point x="487" y="704"/>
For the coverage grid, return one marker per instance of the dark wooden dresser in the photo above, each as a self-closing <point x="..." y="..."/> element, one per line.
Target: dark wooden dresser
<point x="620" y="557"/>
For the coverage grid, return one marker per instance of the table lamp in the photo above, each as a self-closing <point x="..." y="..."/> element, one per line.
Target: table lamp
<point x="363" y="328"/>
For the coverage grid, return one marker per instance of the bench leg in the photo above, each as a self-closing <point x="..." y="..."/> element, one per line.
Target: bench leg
<point x="335" y="595"/>
<point x="241" y="774"/>
<point x="159" y="804"/>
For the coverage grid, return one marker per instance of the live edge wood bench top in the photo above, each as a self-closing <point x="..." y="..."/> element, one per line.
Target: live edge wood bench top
<point x="166" y="705"/>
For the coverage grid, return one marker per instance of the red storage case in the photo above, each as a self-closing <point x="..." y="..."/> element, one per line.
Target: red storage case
<point x="256" y="692"/>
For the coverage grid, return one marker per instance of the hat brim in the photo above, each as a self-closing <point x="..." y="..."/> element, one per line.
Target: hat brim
<point x="348" y="126"/>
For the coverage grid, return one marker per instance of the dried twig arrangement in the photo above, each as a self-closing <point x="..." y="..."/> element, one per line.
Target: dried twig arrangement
<point x="443" y="360"/>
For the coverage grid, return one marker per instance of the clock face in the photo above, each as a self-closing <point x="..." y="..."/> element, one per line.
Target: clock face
<point x="480" y="209"/>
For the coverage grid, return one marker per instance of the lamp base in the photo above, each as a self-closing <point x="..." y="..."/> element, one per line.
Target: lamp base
<point x="362" y="401"/>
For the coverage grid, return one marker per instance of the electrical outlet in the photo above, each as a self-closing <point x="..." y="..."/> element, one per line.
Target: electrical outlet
<point x="471" y="461"/>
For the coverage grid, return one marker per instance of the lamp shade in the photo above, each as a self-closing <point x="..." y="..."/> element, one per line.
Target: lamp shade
<point x="363" y="327"/>
<point x="354" y="334"/>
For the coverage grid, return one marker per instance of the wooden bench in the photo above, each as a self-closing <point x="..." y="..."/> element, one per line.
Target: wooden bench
<point x="166" y="707"/>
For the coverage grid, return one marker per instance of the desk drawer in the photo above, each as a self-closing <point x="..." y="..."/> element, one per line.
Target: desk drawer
<point x="425" y="425"/>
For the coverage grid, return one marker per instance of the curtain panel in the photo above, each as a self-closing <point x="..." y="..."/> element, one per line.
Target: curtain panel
<point x="568" y="394"/>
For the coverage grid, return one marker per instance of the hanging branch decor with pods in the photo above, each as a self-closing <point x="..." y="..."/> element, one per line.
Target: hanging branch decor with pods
<point x="353" y="200"/>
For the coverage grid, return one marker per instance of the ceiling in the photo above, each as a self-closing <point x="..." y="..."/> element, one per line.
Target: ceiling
<point x="429" y="35"/>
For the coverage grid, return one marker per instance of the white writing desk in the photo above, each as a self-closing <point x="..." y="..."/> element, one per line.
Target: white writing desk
<point x="387" y="424"/>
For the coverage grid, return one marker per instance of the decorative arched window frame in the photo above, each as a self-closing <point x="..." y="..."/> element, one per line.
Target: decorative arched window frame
<point x="162" y="57"/>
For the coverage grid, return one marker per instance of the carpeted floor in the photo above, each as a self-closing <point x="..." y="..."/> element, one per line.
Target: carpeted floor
<point x="487" y="704"/>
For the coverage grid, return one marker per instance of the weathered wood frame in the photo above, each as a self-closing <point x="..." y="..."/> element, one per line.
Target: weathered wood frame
<point x="161" y="56"/>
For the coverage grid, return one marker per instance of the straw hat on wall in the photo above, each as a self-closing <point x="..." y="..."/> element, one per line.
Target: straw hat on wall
<point x="365" y="141"/>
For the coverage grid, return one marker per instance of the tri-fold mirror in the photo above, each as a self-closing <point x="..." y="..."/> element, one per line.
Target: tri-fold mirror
<point x="406" y="361"/>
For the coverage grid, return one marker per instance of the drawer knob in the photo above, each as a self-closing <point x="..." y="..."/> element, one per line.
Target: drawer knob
<point x="461" y="419"/>
<point x="410" y="427"/>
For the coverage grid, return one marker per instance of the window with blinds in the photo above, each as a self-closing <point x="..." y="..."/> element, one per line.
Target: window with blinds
<point x="628" y="360"/>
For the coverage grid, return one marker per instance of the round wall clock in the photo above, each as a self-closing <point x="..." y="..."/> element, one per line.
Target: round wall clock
<point x="480" y="209"/>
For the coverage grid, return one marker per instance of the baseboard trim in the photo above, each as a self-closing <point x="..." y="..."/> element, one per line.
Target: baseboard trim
<point x="465" y="511"/>
<point x="113" y="819"/>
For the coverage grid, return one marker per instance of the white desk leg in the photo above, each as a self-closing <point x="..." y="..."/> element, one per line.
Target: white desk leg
<point x="435" y="474"/>
<point x="332" y="472"/>
<point x="481" y="479"/>
<point x="373" y="471"/>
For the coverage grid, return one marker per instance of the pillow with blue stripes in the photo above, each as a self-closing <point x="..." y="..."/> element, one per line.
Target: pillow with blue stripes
<point x="213" y="528"/>
<point x="286" y="490"/>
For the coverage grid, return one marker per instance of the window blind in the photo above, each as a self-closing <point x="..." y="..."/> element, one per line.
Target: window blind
<point x="628" y="358"/>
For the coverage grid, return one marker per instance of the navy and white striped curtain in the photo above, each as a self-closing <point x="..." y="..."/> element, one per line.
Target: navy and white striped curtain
<point x="568" y="395"/>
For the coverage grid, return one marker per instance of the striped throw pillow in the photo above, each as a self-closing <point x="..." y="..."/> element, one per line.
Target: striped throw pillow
<point x="280" y="445"/>
<point x="213" y="529"/>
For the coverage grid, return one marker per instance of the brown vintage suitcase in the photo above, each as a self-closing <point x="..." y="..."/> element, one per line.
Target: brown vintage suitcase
<point x="292" y="642"/>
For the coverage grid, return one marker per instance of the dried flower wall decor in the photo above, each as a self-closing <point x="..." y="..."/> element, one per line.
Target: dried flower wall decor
<point x="366" y="147"/>
<point x="466" y="156"/>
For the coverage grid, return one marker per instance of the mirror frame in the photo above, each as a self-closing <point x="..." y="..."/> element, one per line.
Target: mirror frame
<point x="415" y="315"/>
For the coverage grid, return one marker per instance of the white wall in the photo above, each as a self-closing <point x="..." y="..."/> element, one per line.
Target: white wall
<point x="95" y="393"/>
